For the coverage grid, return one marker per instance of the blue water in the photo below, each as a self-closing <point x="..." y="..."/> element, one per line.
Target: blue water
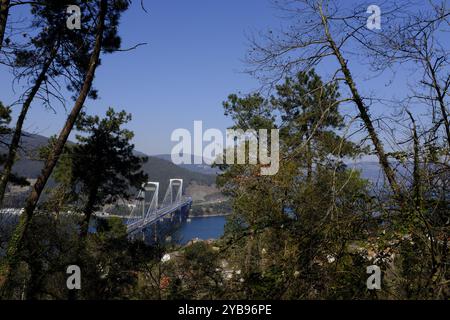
<point x="203" y="228"/>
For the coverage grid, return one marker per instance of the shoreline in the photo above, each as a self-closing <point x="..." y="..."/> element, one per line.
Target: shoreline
<point x="209" y="215"/>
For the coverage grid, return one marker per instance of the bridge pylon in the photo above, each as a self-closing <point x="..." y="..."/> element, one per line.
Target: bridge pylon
<point x="150" y="203"/>
<point x="147" y="211"/>
<point x="173" y="196"/>
<point x="146" y="202"/>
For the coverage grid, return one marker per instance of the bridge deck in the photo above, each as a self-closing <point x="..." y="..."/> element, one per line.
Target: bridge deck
<point x="155" y="216"/>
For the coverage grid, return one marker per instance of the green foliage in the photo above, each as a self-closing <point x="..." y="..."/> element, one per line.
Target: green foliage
<point x="249" y="112"/>
<point x="62" y="194"/>
<point x="308" y="232"/>
<point x="5" y="119"/>
<point x="104" y="166"/>
<point x="292" y="233"/>
<point x="73" y="46"/>
<point x="5" y="134"/>
<point x="111" y="228"/>
<point x="200" y="271"/>
<point x="310" y="115"/>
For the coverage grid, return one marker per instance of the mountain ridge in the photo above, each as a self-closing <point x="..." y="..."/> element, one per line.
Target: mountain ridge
<point x="158" y="167"/>
<point x="195" y="167"/>
<point x="28" y="165"/>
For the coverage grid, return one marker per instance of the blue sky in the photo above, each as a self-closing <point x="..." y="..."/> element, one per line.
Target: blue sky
<point x="192" y="61"/>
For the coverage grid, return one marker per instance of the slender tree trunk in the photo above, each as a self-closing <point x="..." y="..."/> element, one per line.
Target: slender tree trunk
<point x="309" y="160"/>
<point x="383" y="159"/>
<point x="4" y="10"/>
<point x="17" y="238"/>
<point x="417" y="200"/>
<point x="417" y="194"/>
<point x="440" y="98"/>
<point x="12" y="151"/>
<point x="88" y="209"/>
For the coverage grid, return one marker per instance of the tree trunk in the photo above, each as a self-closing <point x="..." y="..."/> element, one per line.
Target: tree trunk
<point x="17" y="238"/>
<point x="417" y="194"/>
<point x="88" y="209"/>
<point x="12" y="151"/>
<point x="4" y="10"/>
<point x="84" y="229"/>
<point x="440" y="98"/>
<point x="309" y="160"/>
<point x="383" y="159"/>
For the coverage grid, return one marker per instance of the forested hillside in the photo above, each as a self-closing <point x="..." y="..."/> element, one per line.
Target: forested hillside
<point x="29" y="166"/>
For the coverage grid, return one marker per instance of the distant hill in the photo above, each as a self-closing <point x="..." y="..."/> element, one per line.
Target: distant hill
<point x="200" y="168"/>
<point x="157" y="169"/>
<point x="369" y="170"/>
<point x="162" y="170"/>
<point x="199" y="179"/>
<point x="373" y="172"/>
<point x="27" y="164"/>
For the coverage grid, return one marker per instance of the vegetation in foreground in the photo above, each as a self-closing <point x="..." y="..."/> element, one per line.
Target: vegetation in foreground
<point x="308" y="232"/>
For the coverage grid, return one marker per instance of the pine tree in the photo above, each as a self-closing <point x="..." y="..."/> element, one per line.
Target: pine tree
<point x="310" y="120"/>
<point x="286" y="228"/>
<point x="106" y="17"/>
<point x="104" y="167"/>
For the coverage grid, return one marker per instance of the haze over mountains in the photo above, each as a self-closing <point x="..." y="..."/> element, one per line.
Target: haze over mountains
<point x="28" y="165"/>
<point x="200" y="168"/>
<point x="159" y="167"/>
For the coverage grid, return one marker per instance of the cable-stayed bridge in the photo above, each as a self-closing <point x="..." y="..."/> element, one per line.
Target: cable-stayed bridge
<point x="147" y="211"/>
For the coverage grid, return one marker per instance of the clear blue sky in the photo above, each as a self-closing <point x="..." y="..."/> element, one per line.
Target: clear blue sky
<point x="193" y="60"/>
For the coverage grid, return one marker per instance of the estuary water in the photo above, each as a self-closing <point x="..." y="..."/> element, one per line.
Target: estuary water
<point x="203" y="228"/>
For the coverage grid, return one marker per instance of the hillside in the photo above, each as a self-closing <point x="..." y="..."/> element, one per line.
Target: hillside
<point x="157" y="169"/>
<point x="162" y="170"/>
<point x="200" y="168"/>
<point x="199" y="179"/>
